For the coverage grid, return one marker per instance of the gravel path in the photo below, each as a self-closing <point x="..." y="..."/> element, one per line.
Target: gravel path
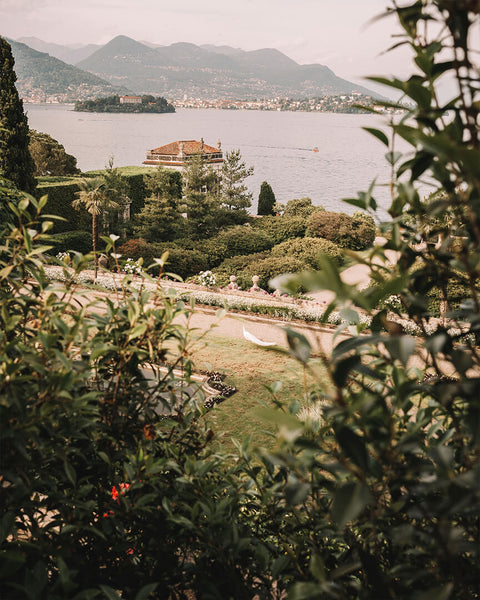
<point x="232" y="325"/>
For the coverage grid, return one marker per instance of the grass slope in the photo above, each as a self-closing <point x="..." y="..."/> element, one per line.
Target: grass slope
<point x="252" y="369"/>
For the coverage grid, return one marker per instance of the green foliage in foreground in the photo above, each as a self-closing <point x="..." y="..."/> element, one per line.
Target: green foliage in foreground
<point x="374" y="497"/>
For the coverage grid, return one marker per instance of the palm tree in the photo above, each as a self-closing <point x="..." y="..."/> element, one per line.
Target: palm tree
<point x="96" y="198"/>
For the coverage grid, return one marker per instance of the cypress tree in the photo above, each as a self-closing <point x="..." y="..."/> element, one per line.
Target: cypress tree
<point x="266" y="200"/>
<point x="16" y="163"/>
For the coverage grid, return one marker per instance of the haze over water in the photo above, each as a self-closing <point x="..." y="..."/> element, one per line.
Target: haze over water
<point x="279" y="145"/>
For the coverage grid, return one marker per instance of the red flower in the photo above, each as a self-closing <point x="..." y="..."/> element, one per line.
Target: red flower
<point x="114" y="493"/>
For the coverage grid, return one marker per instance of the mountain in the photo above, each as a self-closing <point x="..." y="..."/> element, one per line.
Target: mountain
<point x="211" y="71"/>
<point x="70" y="54"/>
<point x="41" y="76"/>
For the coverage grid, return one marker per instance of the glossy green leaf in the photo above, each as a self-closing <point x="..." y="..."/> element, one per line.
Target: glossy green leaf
<point x="299" y="345"/>
<point x="380" y="135"/>
<point x="349" y="501"/>
<point x="401" y="348"/>
<point x="353" y="447"/>
<point x="146" y="591"/>
<point x="70" y="473"/>
<point x="110" y="593"/>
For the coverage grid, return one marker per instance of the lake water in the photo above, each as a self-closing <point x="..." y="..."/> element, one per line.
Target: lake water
<point x="279" y="145"/>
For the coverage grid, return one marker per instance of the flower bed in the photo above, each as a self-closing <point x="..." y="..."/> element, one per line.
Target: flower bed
<point x="285" y="308"/>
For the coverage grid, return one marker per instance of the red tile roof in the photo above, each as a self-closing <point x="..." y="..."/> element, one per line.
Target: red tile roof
<point x="189" y="147"/>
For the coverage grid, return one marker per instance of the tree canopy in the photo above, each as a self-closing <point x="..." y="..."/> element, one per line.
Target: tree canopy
<point x="16" y="163"/>
<point x="50" y="157"/>
<point x="234" y="193"/>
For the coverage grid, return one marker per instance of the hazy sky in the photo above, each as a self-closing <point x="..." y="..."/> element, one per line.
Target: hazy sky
<point x="331" y="32"/>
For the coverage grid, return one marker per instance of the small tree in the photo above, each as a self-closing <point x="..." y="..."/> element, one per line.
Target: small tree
<point x="16" y="163"/>
<point x="233" y="191"/>
<point x="198" y="177"/>
<point x="164" y="182"/>
<point x="160" y="218"/>
<point x="95" y="198"/>
<point x="201" y="201"/>
<point x="117" y="207"/>
<point x="266" y="200"/>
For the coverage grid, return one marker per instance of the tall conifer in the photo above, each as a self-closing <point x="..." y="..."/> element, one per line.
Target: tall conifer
<point x="266" y="200"/>
<point x="16" y="163"/>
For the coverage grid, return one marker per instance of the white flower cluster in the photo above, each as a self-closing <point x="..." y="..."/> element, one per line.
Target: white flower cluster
<point x="131" y="267"/>
<point x="393" y="302"/>
<point x="206" y="278"/>
<point x="64" y="256"/>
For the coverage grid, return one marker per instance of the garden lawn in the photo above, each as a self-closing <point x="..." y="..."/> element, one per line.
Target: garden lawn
<point x="251" y="369"/>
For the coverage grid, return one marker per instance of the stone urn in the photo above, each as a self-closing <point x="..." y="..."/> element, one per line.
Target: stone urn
<point x="255" y="287"/>
<point x="233" y="283"/>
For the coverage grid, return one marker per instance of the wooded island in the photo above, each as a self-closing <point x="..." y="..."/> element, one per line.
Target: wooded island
<point x="126" y="104"/>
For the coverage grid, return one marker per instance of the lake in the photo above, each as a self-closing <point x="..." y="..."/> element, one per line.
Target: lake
<point x="279" y="145"/>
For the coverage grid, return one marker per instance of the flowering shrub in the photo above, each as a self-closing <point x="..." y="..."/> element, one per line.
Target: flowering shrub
<point x="63" y="256"/>
<point x="132" y="267"/>
<point x="206" y="278"/>
<point x="393" y="303"/>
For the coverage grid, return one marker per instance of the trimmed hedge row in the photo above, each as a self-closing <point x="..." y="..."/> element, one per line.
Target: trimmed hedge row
<point x="61" y="193"/>
<point x="184" y="262"/>
<point x="78" y="241"/>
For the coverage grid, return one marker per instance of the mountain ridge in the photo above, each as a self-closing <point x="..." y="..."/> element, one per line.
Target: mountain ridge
<point x="206" y="71"/>
<point x="211" y="71"/>
<point x="41" y="76"/>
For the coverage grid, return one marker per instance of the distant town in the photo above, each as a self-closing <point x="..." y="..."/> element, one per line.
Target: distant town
<point x="354" y="102"/>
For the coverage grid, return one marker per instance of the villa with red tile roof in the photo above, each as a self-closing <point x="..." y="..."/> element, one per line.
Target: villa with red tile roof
<point x="177" y="154"/>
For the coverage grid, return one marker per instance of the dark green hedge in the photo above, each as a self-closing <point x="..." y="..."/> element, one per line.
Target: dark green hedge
<point x="78" y="241"/>
<point x="184" y="262"/>
<point x="136" y="192"/>
<point x="135" y="181"/>
<point x="60" y="197"/>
